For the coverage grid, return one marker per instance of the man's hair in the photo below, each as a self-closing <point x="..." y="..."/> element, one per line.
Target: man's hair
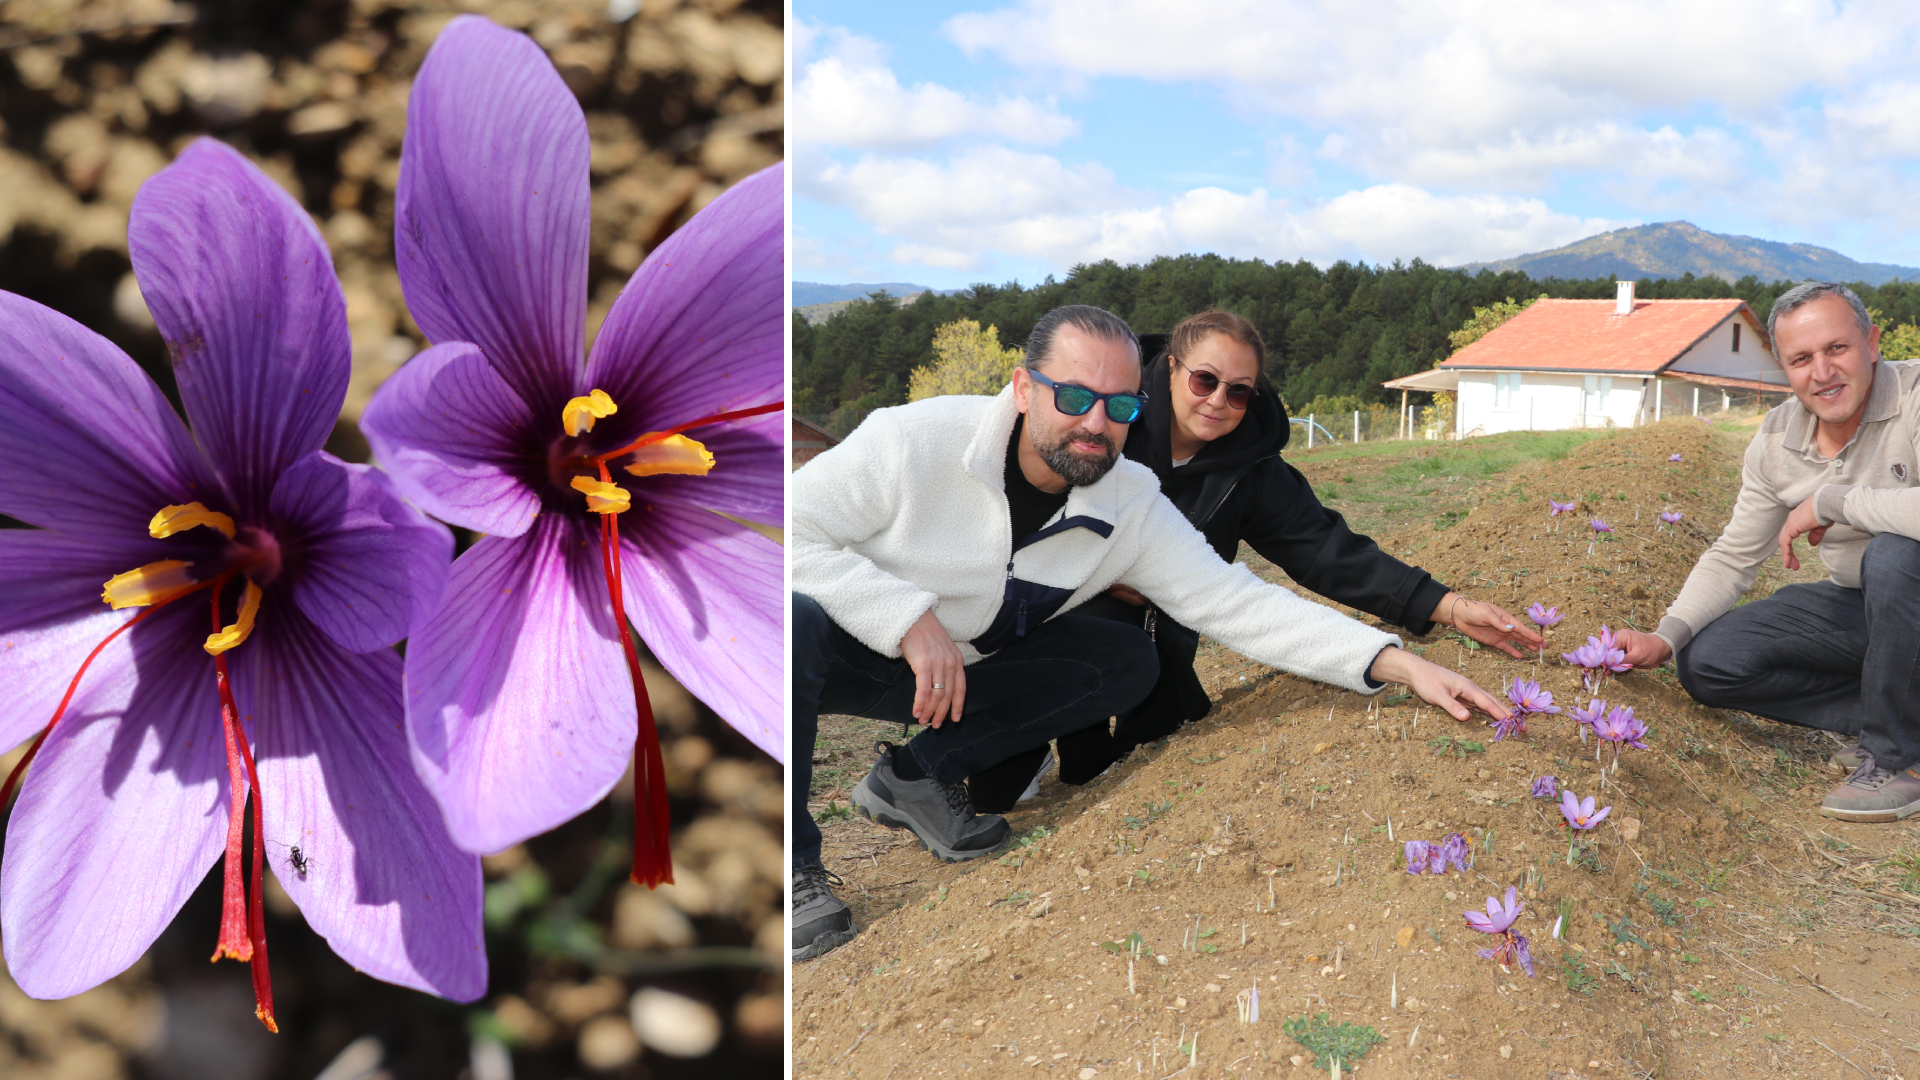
<point x="1094" y="321"/>
<point x="1807" y="292"/>
<point x="1196" y="328"/>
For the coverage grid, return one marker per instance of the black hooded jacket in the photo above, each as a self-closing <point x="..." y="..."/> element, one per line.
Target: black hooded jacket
<point x="1238" y="487"/>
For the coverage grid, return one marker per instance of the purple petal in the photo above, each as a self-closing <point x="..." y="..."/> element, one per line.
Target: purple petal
<point x="1479" y="922"/>
<point x="121" y="814"/>
<point x="749" y="476"/>
<point x="242" y="289"/>
<point x="456" y="439"/>
<point x="520" y="710"/>
<point x="707" y="596"/>
<point x="1416" y="856"/>
<point x="384" y="884"/>
<point x="369" y="564"/>
<point x="699" y="328"/>
<point x="77" y="415"/>
<point x="1485" y="954"/>
<point x="1521" y="953"/>
<point x="490" y="219"/>
<point x="51" y="616"/>
<point x="1599" y="817"/>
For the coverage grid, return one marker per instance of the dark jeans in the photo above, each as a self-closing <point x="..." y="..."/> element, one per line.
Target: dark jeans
<point x="1822" y="656"/>
<point x="1063" y="675"/>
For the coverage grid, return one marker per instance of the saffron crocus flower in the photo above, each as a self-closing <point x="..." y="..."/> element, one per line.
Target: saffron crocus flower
<point x="1589" y="716"/>
<point x="1454" y="850"/>
<point x="524" y="695"/>
<point x="1580" y="813"/>
<point x="1546" y="787"/>
<point x="1599" y="526"/>
<point x="1417" y="853"/>
<point x="1555" y="509"/>
<point x="1544" y="616"/>
<point x="1619" y="726"/>
<point x="1527" y="697"/>
<point x="1675" y="458"/>
<point x="1499" y="916"/>
<point x="1671" y="517"/>
<point x="303" y="568"/>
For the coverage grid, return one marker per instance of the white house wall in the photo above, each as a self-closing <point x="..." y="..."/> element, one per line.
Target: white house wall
<point x="1714" y="355"/>
<point x="1544" y="402"/>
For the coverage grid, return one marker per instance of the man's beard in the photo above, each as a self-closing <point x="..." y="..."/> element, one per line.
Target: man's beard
<point x="1077" y="470"/>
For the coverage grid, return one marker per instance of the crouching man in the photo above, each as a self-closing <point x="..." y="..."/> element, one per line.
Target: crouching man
<point x="1835" y="464"/>
<point x="938" y="554"/>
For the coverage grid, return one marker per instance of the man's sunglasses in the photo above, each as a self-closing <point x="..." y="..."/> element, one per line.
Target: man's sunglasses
<point x="1204" y="383"/>
<point x="1122" y="408"/>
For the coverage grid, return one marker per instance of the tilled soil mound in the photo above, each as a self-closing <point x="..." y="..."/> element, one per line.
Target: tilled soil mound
<point x="1716" y="926"/>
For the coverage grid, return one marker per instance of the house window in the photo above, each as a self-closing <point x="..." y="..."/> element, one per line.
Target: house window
<point x="1594" y="397"/>
<point x="1504" y="384"/>
<point x="1736" y="337"/>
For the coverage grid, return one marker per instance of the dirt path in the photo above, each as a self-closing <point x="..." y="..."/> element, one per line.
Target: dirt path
<point x="1719" y="927"/>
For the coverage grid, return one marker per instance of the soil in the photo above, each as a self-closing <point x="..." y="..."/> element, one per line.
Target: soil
<point x="1717" y="926"/>
<point x="682" y="99"/>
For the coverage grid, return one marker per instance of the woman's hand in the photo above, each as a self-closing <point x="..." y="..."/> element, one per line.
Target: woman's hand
<point x="1435" y="685"/>
<point x="1488" y="624"/>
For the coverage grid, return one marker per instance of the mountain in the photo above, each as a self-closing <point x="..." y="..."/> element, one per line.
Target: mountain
<point x="808" y="293"/>
<point x="1672" y="248"/>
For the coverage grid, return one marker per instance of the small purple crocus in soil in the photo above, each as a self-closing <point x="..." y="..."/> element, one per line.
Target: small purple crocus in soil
<point x="1589" y="716"/>
<point x="1454" y="850"/>
<point x="1671" y="517"/>
<point x="1499" y="919"/>
<point x="1675" y="458"/>
<point x="1599" y="526"/>
<point x="1598" y="657"/>
<point x="1581" y="817"/>
<point x="1555" y="509"/>
<point x="1545" y="787"/>
<point x="1544" y="617"/>
<point x="1417" y="855"/>
<point x="1527" y="699"/>
<point x="268" y="581"/>
<point x="1424" y="857"/>
<point x="525" y="695"/>
<point x="1620" y="727"/>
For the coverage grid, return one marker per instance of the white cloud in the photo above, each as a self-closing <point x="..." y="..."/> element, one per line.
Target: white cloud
<point x="851" y="98"/>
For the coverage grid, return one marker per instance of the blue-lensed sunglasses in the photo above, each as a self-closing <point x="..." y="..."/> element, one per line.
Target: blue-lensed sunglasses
<point x="1122" y="408"/>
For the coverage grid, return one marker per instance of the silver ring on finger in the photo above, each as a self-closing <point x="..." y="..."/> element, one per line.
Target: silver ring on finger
<point x="939" y="686"/>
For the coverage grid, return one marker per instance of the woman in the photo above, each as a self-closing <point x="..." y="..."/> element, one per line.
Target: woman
<point x="1212" y="431"/>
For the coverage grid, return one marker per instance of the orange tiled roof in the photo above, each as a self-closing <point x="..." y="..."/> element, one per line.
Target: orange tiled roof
<point x="1585" y="335"/>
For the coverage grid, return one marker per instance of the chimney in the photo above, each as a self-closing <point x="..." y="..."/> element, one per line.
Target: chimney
<point x="1623" y="302"/>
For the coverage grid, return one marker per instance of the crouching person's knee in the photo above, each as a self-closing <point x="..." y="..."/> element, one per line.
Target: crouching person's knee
<point x="1710" y="669"/>
<point x="1890" y="562"/>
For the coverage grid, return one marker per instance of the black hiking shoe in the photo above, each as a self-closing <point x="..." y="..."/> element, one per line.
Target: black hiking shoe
<point x="941" y="815"/>
<point x="821" y="923"/>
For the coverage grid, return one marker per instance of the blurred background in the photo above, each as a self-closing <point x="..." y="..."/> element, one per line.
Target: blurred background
<point x="591" y="977"/>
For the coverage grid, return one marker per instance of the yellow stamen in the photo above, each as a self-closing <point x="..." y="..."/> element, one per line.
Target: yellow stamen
<point x="675" y="455"/>
<point x="602" y="497"/>
<point x="154" y="583"/>
<point x="578" y="414"/>
<point x="177" y="519"/>
<point x="233" y="635"/>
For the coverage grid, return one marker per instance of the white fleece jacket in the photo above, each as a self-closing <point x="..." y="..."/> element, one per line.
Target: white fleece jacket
<point x="909" y="514"/>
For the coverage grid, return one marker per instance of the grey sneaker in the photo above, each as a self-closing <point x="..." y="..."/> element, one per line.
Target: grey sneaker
<point x="821" y="923"/>
<point x="941" y="815"/>
<point x="1874" y="794"/>
<point x="1849" y="758"/>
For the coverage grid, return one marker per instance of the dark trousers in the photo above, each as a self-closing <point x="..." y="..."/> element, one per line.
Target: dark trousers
<point x="1063" y="675"/>
<point x="1822" y="656"/>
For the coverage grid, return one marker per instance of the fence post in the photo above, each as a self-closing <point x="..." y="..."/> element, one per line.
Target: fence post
<point x="1309" y="431"/>
<point x="1696" y="401"/>
<point x="1356" y="425"/>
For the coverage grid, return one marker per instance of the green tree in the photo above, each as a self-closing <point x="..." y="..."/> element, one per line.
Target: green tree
<point x="971" y="361"/>
<point x="1485" y="319"/>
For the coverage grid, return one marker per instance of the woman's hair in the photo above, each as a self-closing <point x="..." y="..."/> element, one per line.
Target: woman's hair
<point x="1195" y="328"/>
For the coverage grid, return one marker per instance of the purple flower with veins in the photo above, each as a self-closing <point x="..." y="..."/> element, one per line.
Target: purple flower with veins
<point x="1589" y="716"/>
<point x="525" y="695"/>
<point x="1546" y="787"/>
<point x="1544" y="616"/>
<point x="1454" y="850"/>
<point x="1527" y="697"/>
<point x="1417" y="855"/>
<point x="1555" y="509"/>
<point x="1619" y="726"/>
<point x="1671" y="517"/>
<point x="254" y="586"/>
<point x="1514" y="724"/>
<point x="1580" y="813"/>
<point x="1499" y="919"/>
<point x="1599" y="526"/>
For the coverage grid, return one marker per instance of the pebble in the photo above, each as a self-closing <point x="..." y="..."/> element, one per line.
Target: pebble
<point x="607" y="1043"/>
<point x="674" y="1024"/>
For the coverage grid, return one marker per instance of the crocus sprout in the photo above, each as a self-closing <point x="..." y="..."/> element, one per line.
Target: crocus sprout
<point x="1545" y="787"/>
<point x="1545" y="616"/>
<point x="1599" y="526"/>
<point x="1581" y="817"/>
<point x="1499" y="919"/>
<point x="1671" y="517"/>
<point x="1675" y="458"/>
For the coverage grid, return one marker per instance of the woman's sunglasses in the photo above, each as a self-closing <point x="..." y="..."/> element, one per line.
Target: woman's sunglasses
<point x="1122" y="408"/>
<point x="1204" y="383"/>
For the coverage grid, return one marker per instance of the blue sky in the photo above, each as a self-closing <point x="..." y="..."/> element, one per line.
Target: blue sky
<point x="948" y="143"/>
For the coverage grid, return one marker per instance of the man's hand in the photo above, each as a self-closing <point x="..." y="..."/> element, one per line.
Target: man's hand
<point x="1488" y="624"/>
<point x="1436" y="685"/>
<point x="939" y="675"/>
<point x="1801" y="522"/>
<point x="1643" y="650"/>
<point x="1128" y="593"/>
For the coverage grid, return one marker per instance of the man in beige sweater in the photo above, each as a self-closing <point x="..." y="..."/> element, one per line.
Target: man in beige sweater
<point x="1837" y="465"/>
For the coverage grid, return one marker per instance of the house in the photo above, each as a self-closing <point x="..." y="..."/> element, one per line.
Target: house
<point x="809" y="440"/>
<point x="1597" y="363"/>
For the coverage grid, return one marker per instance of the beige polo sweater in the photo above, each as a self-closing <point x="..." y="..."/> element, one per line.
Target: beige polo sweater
<point x="1870" y="487"/>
